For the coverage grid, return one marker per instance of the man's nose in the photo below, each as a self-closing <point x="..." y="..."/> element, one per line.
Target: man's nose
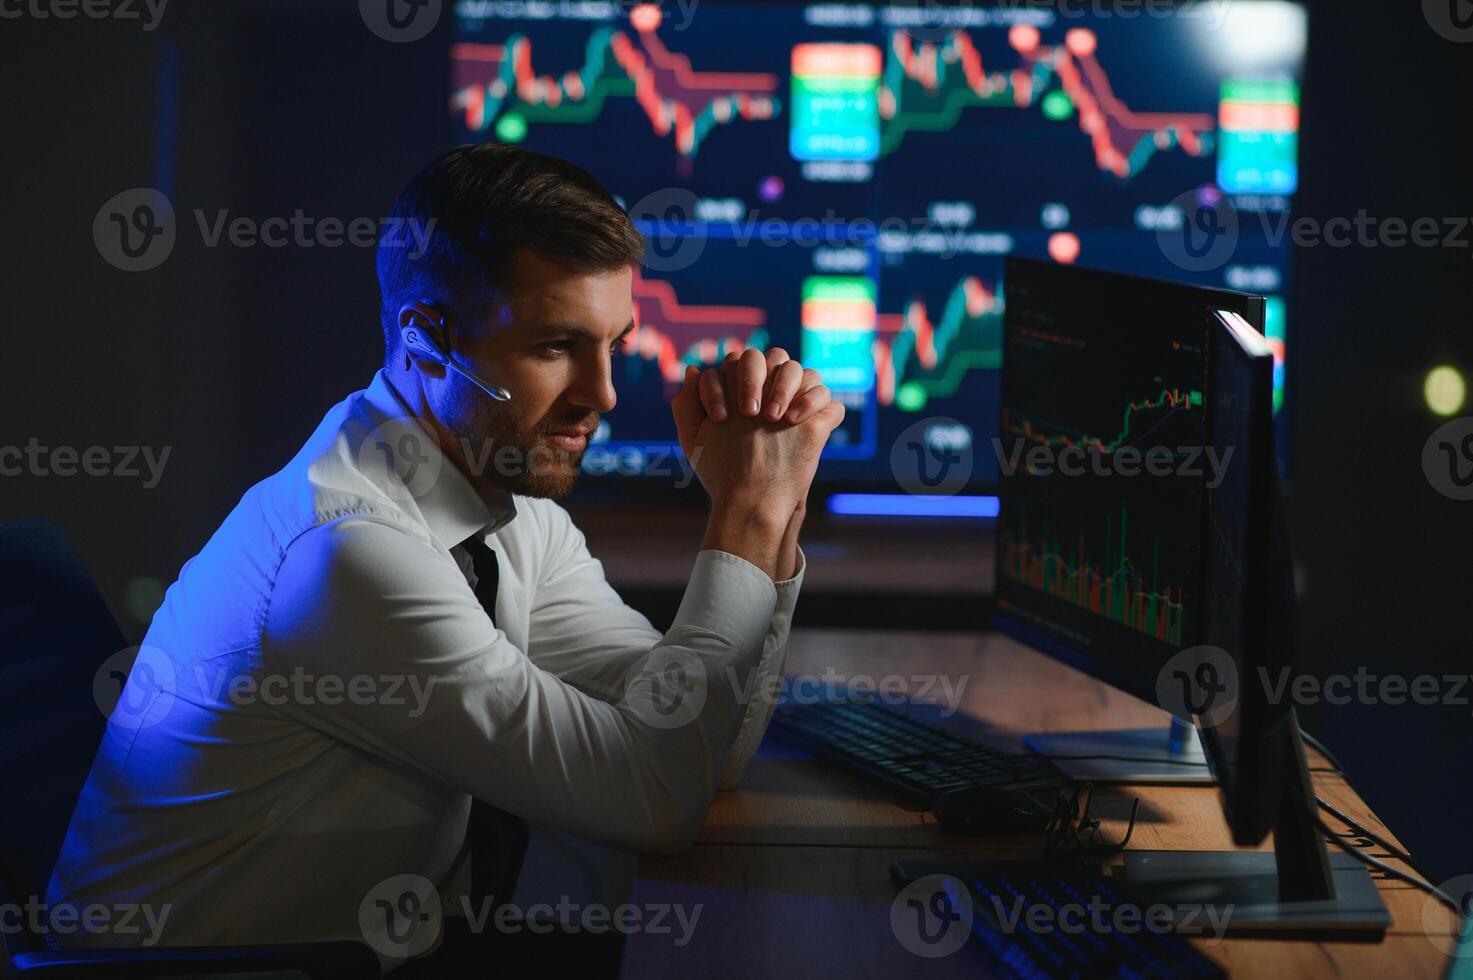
<point x="594" y="386"/>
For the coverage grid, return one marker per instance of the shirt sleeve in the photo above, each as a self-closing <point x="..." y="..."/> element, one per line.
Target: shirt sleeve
<point x="584" y="633"/>
<point x="362" y="596"/>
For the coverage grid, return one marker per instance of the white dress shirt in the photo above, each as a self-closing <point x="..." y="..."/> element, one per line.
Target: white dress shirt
<point x="324" y="694"/>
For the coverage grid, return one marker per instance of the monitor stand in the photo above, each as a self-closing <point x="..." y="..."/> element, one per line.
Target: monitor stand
<point x="1137" y="755"/>
<point x="1297" y="887"/>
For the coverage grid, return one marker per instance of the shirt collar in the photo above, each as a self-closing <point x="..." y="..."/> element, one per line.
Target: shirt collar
<point x="448" y="503"/>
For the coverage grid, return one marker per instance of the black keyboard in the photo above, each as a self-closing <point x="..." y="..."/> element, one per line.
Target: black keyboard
<point x="1055" y="921"/>
<point x="1113" y="942"/>
<point x="918" y="760"/>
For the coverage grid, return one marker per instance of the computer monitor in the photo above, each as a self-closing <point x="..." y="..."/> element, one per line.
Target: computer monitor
<point x="1173" y="582"/>
<point x="1104" y="470"/>
<point x="1246" y="572"/>
<point x="1252" y="738"/>
<point x="846" y="180"/>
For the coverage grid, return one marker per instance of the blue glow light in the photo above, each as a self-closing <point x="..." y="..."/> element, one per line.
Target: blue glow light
<point x="912" y="505"/>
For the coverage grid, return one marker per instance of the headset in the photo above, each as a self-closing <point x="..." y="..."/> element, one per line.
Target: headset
<point x="416" y="340"/>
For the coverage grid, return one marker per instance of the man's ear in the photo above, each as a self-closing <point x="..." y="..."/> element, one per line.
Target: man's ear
<point x="427" y="317"/>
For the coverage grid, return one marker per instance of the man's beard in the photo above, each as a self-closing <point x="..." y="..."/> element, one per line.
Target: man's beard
<point x="502" y="448"/>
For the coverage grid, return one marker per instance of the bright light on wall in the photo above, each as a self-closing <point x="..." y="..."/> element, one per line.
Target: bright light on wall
<point x="1261" y="33"/>
<point x="1445" y="390"/>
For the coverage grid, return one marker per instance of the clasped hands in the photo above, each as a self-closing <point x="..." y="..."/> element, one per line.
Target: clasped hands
<point x="753" y="428"/>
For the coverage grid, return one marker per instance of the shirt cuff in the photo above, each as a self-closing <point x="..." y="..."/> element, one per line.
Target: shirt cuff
<point x="787" y="589"/>
<point x="774" y="658"/>
<point x="731" y="597"/>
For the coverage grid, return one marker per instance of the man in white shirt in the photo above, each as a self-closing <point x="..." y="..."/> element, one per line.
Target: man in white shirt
<point x="401" y="619"/>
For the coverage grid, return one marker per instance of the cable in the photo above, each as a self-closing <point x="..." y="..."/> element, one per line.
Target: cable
<point x="1380" y="865"/>
<point x="1329" y="756"/>
<point x="1369" y="859"/>
<point x="1362" y="831"/>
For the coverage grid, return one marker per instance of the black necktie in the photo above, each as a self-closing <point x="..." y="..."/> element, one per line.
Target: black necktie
<point x="498" y="839"/>
<point x="488" y="572"/>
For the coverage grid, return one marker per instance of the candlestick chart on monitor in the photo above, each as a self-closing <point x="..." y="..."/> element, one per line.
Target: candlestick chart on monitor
<point x="1102" y="451"/>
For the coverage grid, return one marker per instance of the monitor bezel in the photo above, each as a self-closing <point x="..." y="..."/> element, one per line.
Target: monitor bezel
<point x="1251" y="780"/>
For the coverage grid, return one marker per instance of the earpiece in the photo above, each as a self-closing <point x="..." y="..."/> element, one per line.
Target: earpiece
<point x="417" y="340"/>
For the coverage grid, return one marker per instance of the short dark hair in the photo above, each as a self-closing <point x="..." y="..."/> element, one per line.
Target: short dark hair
<point x="486" y="201"/>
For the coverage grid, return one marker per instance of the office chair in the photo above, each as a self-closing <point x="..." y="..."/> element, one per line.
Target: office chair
<point x="55" y="632"/>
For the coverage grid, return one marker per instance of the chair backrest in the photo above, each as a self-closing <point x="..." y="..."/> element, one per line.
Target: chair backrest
<point x="55" y="632"/>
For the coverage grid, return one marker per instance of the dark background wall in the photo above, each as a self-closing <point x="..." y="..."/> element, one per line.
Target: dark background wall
<point x="229" y="356"/>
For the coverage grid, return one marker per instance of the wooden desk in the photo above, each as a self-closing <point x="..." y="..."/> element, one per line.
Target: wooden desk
<point x="792" y="870"/>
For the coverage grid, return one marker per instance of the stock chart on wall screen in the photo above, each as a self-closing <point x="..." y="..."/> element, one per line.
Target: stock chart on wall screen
<point x="844" y="181"/>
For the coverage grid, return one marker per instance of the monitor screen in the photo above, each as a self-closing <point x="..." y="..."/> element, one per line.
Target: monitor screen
<point x="845" y="181"/>
<point x="1106" y="460"/>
